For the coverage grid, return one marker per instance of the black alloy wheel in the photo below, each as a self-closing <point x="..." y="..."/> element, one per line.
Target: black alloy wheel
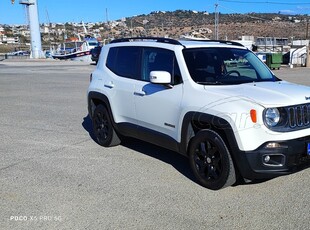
<point x="210" y="160"/>
<point x="103" y="127"/>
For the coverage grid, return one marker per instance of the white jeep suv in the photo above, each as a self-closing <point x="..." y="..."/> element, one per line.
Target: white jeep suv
<point x="213" y="101"/>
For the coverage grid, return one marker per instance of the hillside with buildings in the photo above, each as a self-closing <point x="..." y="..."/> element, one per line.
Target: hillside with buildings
<point x="170" y="24"/>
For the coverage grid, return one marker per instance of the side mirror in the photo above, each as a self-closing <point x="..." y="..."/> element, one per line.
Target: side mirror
<point x="160" y="77"/>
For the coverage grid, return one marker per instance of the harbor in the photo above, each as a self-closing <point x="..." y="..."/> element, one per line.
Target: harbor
<point x="51" y="167"/>
<point x="58" y="95"/>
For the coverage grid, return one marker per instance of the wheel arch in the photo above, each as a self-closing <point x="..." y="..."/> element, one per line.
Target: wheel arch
<point x="193" y="122"/>
<point x="94" y="99"/>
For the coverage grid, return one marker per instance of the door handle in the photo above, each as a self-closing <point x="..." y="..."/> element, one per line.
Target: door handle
<point x="109" y="85"/>
<point x="140" y="93"/>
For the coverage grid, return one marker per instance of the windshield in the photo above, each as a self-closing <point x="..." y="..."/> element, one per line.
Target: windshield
<point x="225" y="66"/>
<point x="93" y="43"/>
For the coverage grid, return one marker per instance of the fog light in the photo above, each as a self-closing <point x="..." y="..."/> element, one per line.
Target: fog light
<point x="274" y="160"/>
<point x="267" y="159"/>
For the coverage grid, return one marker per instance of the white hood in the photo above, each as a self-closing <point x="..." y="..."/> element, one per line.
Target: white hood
<point x="267" y="94"/>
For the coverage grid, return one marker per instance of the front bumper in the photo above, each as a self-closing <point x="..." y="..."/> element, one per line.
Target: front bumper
<point x="274" y="159"/>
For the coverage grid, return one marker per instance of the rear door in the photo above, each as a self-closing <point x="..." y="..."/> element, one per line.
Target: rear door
<point x="124" y="63"/>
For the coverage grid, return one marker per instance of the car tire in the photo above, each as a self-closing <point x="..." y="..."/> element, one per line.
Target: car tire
<point x="210" y="160"/>
<point x="103" y="128"/>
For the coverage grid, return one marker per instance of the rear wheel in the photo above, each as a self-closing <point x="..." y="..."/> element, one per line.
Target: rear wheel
<point x="103" y="128"/>
<point x="210" y="160"/>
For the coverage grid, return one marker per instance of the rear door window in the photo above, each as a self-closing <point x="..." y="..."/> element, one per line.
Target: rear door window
<point x="124" y="61"/>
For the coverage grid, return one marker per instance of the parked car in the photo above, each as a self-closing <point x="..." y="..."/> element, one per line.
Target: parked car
<point x="19" y="53"/>
<point x="215" y="102"/>
<point x="95" y="53"/>
<point x="48" y="54"/>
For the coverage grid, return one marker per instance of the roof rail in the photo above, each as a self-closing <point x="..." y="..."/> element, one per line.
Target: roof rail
<point x="227" y="42"/>
<point x="157" y="39"/>
<point x="219" y="41"/>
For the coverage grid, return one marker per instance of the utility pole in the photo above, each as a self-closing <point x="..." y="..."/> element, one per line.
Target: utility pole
<point x="216" y="21"/>
<point x="49" y="26"/>
<point x="307" y="28"/>
<point x="106" y="15"/>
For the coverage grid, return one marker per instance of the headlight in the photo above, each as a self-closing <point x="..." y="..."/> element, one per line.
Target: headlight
<point x="272" y="117"/>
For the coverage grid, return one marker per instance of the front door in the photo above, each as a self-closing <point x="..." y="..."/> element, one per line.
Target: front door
<point x="158" y="106"/>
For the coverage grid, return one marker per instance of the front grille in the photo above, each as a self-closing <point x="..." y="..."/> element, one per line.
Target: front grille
<point x="299" y="116"/>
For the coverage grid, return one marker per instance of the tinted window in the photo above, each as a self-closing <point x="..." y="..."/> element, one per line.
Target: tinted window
<point x="156" y="59"/>
<point x="124" y="61"/>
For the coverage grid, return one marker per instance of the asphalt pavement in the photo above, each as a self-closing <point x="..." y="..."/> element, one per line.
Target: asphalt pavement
<point x="53" y="175"/>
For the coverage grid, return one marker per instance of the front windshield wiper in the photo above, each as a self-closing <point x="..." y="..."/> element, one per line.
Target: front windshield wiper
<point x="209" y="82"/>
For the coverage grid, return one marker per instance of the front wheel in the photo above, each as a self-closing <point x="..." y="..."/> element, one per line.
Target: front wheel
<point x="210" y="160"/>
<point x="103" y="127"/>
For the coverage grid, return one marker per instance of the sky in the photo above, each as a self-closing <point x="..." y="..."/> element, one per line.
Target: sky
<point x="60" y="11"/>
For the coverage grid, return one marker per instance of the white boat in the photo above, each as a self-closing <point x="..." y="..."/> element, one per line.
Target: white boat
<point x="76" y="50"/>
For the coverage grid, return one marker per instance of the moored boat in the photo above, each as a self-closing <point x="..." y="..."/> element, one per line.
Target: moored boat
<point x="76" y="50"/>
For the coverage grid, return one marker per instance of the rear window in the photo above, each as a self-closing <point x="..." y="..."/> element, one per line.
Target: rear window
<point x="124" y="61"/>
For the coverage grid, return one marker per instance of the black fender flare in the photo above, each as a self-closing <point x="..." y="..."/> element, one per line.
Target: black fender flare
<point x="95" y="98"/>
<point x="195" y="121"/>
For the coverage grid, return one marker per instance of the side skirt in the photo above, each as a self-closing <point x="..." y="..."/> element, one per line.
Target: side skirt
<point x="148" y="135"/>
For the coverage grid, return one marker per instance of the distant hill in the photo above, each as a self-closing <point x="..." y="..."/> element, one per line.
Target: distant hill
<point x="171" y="24"/>
<point x="231" y="26"/>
